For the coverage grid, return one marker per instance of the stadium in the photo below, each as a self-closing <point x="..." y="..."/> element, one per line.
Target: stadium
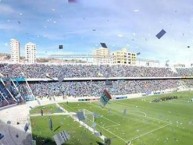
<point x="138" y="114"/>
<point x="100" y="72"/>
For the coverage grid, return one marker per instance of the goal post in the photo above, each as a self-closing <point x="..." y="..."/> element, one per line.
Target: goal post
<point x="89" y="117"/>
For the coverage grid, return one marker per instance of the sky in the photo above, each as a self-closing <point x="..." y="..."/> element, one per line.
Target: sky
<point x="81" y="26"/>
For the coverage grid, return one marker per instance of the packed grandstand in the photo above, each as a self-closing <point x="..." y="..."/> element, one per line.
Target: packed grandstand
<point x="20" y="81"/>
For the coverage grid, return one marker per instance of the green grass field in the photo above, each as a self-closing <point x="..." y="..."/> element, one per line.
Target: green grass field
<point x="48" y="109"/>
<point x="145" y="123"/>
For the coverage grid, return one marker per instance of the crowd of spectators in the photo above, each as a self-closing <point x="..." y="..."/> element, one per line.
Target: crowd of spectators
<point x="184" y="71"/>
<point x="95" y="88"/>
<point x="80" y="70"/>
<point x="89" y="88"/>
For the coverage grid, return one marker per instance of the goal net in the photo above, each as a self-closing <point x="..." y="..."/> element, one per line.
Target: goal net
<point x="89" y="117"/>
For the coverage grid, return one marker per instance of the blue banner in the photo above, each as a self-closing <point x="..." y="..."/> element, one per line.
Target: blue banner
<point x="19" y="79"/>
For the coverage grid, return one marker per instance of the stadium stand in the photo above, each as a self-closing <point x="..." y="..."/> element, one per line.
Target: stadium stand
<point x="184" y="71"/>
<point x="22" y="91"/>
<point x="16" y="89"/>
<point x="80" y="70"/>
<point x="95" y="88"/>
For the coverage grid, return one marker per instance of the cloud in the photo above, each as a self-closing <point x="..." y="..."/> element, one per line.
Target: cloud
<point x="6" y="9"/>
<point x="82" y="26"/>
<point x="53" y="36"/>
<point x="136" y="10"/>
<point x="52" y="53"/>
<point x="163" y="49"/>
<point x="120" y="35"/>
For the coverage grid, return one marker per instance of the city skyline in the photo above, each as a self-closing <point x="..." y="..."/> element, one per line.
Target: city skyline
<point x="30" y="51"/>
<point x="80" y="27"/>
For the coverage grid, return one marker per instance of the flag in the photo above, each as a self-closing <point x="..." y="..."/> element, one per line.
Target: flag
<point x="161" y="33"/>
<point x="105" y="97"/>
<point x="61" y="137"/>
<point x="60" y="46"/>
<point x="26" y="127"/>
<point x="138" y="53"/>
<point x="1" y="136"/>
<point x="103" y="45"/>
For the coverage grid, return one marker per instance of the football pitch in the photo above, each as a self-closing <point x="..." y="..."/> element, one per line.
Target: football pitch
<point x="138" y="121"/>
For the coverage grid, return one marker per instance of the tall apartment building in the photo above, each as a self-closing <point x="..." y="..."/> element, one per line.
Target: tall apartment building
<point x="102" y="56"/>
<point x="123" y="56"/>
<point x="15" y="50"/>
<point x="30" y="52"/>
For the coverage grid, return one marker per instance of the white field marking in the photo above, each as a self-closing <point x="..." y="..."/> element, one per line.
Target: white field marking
<point x="117" y="124"/>
<point x="111" y="120"/>
<point x="150" y="132"/>
<point x="72" y="108"/>
<point x="144" y="114"/>
<point x="109" y="126"/>
<point x="140" y="112"/>
<point x="54" y="114"/>
<point x="127" y="116"/>
<point x="114" y="134"/>
<point x="106" y="118"/>
<point x="152" y="118"/>
<point x="145" y="117"/>
<point x="61" y="107"/>
<point x="82" y="123"/>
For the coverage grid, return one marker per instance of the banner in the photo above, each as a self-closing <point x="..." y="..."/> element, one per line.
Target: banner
<point x="105" y="97"/>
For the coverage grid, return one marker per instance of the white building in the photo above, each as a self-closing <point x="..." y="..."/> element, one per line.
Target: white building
<point x="15" y="50"/>
<point x="30" y="52"/>
<point x="123" y="56"/>
<point x="102" y="56"/>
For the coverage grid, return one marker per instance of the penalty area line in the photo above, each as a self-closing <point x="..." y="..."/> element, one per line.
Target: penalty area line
<point x="114" y="134"/>
<point x="145" y="115"/>
<point x="109" y="126"/>
<point x="150" y="132"/>
<point x="110" y="120"/>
